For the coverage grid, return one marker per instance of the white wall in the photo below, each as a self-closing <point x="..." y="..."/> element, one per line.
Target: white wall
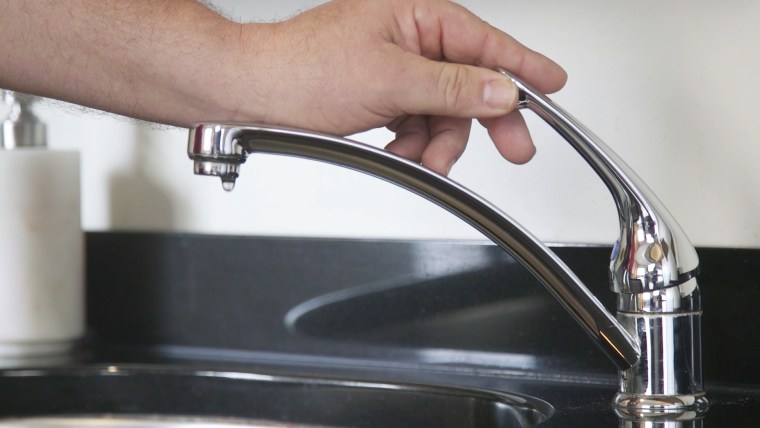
<point x="671" y="86"/>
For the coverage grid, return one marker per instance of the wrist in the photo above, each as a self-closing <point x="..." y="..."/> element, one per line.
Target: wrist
<point x="235" y="83"/>
<point x="211" y="75"/>
<point x="251" y="78"/>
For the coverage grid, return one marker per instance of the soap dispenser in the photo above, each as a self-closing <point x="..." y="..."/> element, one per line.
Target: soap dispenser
<point x="41" y="241"/>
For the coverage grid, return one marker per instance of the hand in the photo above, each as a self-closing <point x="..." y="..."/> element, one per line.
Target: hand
<point x="422" y="68"/>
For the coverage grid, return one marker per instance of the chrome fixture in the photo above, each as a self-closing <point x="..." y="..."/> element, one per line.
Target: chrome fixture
<point x="20" y="127"/>
<point x="655" y="340"/>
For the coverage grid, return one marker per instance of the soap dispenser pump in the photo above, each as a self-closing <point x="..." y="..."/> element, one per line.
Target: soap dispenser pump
<point x="41" y="241"/>
<point x="21" y="128"/>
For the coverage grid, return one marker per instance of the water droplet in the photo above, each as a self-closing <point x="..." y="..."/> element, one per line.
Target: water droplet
<point x="228" y="185"/>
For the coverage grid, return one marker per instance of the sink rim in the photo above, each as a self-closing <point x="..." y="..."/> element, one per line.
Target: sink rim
<point x="137" y="421"/>
<point x="537" y="409"/>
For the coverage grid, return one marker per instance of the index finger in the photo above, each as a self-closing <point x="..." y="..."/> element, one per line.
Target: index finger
<point x="448" y="31"/>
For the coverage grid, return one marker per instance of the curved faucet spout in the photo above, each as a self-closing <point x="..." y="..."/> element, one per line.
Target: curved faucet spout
<point x="214" y="144"/>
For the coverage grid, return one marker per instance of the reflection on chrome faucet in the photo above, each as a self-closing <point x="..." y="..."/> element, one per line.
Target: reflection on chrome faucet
<point x="655" y="340"/>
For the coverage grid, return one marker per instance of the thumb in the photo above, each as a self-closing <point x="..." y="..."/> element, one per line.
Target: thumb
<point x="455" y="90"/>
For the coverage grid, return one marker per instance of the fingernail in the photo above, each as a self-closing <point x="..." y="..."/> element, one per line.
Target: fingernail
<point x="500" y="94"/>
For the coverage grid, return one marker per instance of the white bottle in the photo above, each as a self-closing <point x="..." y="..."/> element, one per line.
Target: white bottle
<point x="41" y="241"/>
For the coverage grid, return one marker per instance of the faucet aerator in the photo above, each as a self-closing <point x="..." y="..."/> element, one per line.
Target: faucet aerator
<point x="226" y="171"/>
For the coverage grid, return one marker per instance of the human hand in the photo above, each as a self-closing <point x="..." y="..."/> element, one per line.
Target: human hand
<point x="423" y="68"/>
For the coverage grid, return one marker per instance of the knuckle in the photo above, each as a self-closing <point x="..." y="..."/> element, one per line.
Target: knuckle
<point x="452" y="85"/>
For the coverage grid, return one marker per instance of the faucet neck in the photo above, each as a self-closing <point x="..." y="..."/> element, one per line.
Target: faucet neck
<point x="668" y="377"/>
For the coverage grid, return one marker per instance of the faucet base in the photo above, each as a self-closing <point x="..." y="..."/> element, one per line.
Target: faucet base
<point x="678" y="407"/>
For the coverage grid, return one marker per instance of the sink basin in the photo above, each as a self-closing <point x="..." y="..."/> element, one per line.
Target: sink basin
<point x="166" y="396"/>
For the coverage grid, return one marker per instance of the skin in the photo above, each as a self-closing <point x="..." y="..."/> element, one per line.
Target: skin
<point x="422" y="68"/>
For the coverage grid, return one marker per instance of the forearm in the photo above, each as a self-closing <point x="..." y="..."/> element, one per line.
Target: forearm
<point x="162" y="61"/>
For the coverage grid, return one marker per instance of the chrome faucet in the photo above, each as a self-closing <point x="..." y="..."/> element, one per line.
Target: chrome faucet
<point x="655" y="340"/>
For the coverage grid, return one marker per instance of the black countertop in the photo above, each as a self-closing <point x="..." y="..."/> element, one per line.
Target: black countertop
<point x="426" y="311"/>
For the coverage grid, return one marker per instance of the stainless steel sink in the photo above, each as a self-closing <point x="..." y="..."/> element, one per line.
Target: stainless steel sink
<point x="166" y="396"/>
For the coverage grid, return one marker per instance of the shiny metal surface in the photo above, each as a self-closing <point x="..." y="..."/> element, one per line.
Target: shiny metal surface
<point x="20" y="127"/>
<point x="176" y="396"/>
<point x="226" y="143"/>
<point x="683" y="419"/>
<point x="668" y="325"/>
<point x="653" y="269"/>
<point x="656" y="357"/>
<point x="664" y="378"/>
<point x="653" y="252"/>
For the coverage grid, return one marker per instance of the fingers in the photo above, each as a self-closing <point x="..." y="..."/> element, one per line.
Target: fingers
<point x="453" y="77"/>
<point x="453" y="90"/>
<point x="450" y="32"/>
<point x="412" y="137"/>
<point x="448" y="139"/>
<point x="435" y="142"/>
<point x="511" y="137"/>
